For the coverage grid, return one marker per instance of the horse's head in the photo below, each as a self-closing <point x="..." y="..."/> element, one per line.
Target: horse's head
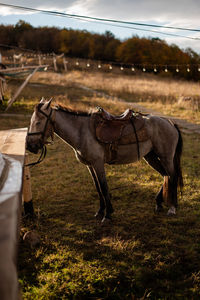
<point x="41" y="126"/>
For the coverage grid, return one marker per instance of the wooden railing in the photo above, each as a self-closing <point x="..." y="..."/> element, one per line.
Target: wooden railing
<point x="12" y="159"/>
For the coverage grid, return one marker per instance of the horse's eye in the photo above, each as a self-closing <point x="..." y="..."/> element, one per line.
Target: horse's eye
<point x="37" y="123"/>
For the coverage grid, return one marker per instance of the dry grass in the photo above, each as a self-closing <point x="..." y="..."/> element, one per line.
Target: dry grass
<point x="151" y="86"/>
<point x="170" y="97"/>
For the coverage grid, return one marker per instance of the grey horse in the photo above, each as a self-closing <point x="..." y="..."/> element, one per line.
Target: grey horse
<point x="162" y="149"/>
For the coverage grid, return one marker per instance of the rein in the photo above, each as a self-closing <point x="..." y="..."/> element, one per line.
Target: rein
<point x="40" y="159"/>
<point x="44" y="148"/>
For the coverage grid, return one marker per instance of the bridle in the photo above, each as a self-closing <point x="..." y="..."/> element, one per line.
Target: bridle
<point x="44" y="149"/>
<point x="48" y="119"/>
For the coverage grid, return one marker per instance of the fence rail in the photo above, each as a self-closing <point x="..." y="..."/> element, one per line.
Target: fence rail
<point x="12" y="157"/>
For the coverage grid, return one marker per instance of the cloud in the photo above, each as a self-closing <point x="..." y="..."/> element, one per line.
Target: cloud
<point x="58" y="5"/>
<point x="178" y="13"/>
<point x="132" y="10"/>
<point x="143" y="10"/>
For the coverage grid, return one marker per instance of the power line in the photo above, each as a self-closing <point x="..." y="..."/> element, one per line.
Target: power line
<point x="148" y="30"/>
<point x="108" y="20"/>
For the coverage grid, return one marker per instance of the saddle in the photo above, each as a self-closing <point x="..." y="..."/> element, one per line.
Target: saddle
<point x="127" y="128"/>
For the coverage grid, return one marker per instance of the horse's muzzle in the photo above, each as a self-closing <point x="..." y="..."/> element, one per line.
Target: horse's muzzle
<point x="33" y="147"/>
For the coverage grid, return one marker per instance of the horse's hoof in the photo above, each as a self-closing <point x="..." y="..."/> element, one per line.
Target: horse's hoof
<point x="158" y="209"/>
<point x="99" y="216"/>
<point x="106" y="221"/>
<point x="171" y="211"/>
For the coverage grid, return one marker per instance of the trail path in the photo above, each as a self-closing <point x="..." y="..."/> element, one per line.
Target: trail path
<point x="185" y="126"/>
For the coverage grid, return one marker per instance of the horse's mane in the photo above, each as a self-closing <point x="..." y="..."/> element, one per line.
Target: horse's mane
<point x="62" y="107"/>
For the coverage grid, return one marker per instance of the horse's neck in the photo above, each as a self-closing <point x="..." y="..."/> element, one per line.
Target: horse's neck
<point x="69" y="127"/>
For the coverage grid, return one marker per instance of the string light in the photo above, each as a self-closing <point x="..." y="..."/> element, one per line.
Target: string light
<point x="190" y="68"/>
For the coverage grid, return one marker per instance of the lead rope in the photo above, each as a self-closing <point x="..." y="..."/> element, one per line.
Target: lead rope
<point x="40" y="159"/>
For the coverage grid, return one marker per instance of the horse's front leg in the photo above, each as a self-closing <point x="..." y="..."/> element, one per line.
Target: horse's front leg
<point x="159" y="200"/>
<point x="102" y="182"/>
<point x="100" y="213"/>
<point x="155" y="163"/>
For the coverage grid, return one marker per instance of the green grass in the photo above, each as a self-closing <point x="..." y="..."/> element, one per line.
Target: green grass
<point x="140" y="255"/>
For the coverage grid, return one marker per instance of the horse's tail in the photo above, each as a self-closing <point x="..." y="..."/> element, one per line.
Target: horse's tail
<point x="177" y="159"/>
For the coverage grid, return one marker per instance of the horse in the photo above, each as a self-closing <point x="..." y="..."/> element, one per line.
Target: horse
<point x="161" y="149"/>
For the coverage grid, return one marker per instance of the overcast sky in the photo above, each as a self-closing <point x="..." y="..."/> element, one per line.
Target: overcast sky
<point x="177" y="13"/>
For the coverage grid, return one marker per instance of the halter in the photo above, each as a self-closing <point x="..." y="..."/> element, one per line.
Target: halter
<point x="45" y="126"/>
<point x="44" y="149"/>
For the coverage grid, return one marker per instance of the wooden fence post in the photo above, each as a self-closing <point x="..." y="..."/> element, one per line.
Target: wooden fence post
<point x="27" y="193"/>
<point x="39" y="60"/>
<point x="55" y="64"/>
<point x="65" y="62"/>
<point x="14" y="60"/>
<point x="2" y="83"/>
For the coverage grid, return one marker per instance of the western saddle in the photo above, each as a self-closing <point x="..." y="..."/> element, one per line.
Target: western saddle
<point x="127" y="128"/>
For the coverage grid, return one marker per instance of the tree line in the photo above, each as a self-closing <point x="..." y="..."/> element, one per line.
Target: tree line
<point x="140" y="52"/>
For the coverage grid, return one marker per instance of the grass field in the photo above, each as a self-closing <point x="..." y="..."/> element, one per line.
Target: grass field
<point x="141" y="255"/>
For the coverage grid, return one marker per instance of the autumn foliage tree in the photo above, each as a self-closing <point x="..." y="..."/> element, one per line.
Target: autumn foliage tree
<point x="105" y="47"/>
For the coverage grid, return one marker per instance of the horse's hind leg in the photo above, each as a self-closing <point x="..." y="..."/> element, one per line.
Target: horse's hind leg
<point x="170" y="186"/>
<point x="173" y="167"/>
<point x="155" y="163"/>
<point x="100" y="214"/>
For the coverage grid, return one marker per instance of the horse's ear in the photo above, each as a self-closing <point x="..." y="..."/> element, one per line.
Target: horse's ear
<point x="42" y="100"/>
<point x="47" y="104"/>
